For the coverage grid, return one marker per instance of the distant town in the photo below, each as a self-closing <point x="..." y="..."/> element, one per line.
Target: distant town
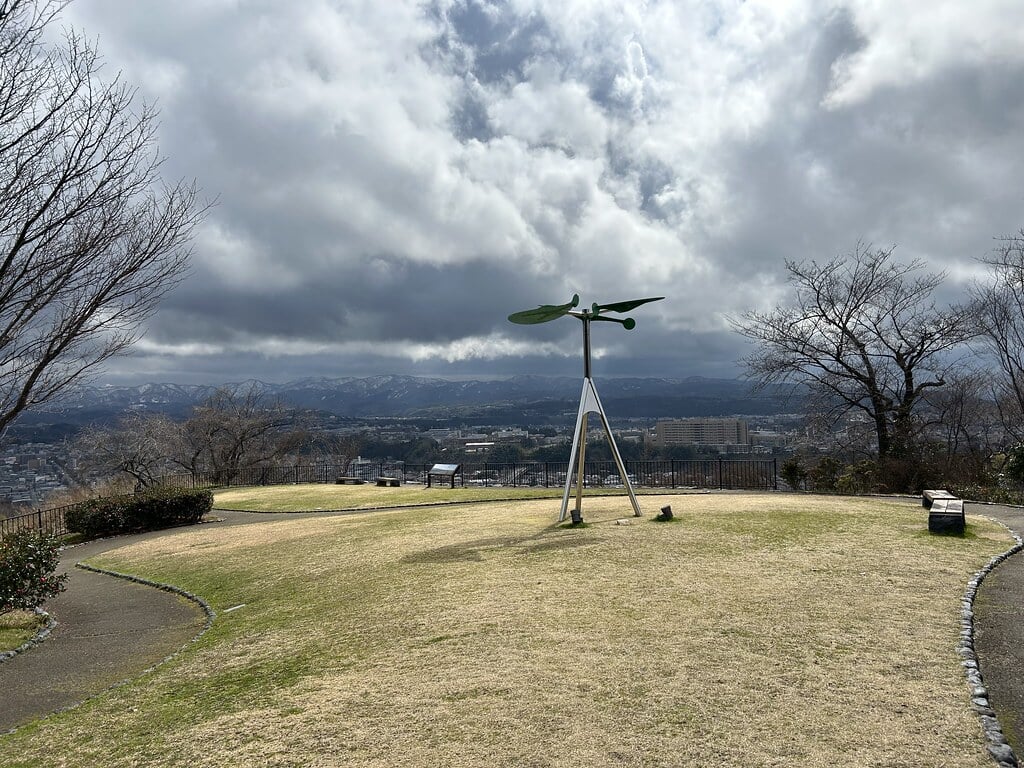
<point x="32" y="473"/>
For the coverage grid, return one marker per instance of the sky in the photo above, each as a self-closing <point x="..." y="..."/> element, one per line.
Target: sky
<point x="393" y="179"/>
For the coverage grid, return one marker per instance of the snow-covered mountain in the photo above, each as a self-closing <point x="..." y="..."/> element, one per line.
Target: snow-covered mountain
<point x="419" y="396"/>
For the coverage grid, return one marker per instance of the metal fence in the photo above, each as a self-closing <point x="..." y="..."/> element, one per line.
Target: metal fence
<point x="715" y="473"/>
<point x="747" y="474"/>
<point x="723" y="474"/>
<point x="51" y="520"/>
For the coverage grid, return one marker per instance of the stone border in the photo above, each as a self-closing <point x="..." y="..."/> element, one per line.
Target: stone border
<point x="210" y="613"/>
<point x="997" y="747"/>
<point x="36" y="639"/>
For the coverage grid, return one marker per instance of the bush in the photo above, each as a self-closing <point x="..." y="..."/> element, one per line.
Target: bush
<point x="862" y="477"/>
<point x="148" y="511"/>
<point x="825" y="474"/>
<point x="28" y="560"/>
<point x="793" y="472"/>
<point x="167" y="507"/>
<point x="97" y="517"/>
<point x="1013" y="464"/>
<point x="992" y="494"/>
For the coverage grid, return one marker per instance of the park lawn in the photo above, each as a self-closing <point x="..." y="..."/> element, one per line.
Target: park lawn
<point x="759" y="630"/>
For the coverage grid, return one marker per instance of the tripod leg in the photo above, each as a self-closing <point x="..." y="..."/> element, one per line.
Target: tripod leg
<point x="579" y="469"/>
<point x="620" y="465"/>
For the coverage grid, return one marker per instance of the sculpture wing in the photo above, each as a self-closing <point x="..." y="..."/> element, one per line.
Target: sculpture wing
<point x="543" y="313"/>
<point x="624" y="306"/>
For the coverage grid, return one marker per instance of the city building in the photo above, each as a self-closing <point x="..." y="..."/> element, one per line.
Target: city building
<point x="723" y="435"/>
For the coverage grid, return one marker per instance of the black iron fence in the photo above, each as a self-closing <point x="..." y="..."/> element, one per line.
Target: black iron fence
<point x="745" y="474"/>
<point x="51" y="520"/>
<point x="722" y="474"/>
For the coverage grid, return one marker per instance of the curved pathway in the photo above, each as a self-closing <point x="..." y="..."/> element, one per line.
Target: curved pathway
<point x="108" y="630"/>
<point x="999" y="630"/>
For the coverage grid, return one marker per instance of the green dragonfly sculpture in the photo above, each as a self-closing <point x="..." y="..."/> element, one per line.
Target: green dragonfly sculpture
<point x="547" y="312"/>
<point x="589" y="401"/>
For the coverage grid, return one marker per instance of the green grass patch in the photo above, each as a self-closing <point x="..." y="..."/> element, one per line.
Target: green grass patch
<point x="18" y="627"/>
<point x="763" y="631"/>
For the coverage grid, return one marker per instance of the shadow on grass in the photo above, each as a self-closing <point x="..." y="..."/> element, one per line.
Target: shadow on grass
<point x="469" y="551"/>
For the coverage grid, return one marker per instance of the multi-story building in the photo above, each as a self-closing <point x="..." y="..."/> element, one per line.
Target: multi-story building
<point x="724" y="435"/>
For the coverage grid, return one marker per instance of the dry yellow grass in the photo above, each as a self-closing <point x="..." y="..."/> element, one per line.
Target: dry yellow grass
<point x="18" y="627"/>
<point x="311" y="497"/>
<point x="758" y="631"/>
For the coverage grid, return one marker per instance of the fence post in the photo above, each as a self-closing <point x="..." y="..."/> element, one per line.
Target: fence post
<point x="721" y="477"/>
<point x="672" y="471"/>
<point x="775" y="474"/>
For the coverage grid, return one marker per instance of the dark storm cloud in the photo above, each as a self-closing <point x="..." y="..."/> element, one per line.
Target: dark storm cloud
<point x="393" y="179"/>
<point x="415" y="302"/>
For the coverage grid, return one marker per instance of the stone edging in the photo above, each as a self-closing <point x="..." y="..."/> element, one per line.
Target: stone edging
<point x="210" y="613"/>
<point x="1000" y="751"/>
<point x="37" y="638"/>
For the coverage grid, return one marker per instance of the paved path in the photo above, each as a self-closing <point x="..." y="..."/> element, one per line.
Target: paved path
<point x="108" y="630"/>
<point x="999" y="631"/>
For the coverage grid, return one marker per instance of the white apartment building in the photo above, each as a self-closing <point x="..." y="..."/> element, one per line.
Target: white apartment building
<point x="724" y="434"/>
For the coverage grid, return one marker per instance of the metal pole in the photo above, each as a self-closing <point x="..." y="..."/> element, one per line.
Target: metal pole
<point x="580" y="467"/>
<point x="586" y="343"/>
<point x="580" y="417"/>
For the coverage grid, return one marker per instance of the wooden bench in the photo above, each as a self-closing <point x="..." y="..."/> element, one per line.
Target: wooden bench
<point x="929" y="497"/>
<point x="384" y="482"/>
<point x="946" y="516"/>
<point x="349" y="481"/>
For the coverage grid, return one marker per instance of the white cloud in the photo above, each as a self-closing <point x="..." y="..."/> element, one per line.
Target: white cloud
<point x="372" y="154"/>
<point x="908" y="42"/>
<point x="546" y="112"/>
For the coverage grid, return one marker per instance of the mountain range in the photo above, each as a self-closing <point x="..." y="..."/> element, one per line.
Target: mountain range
<point x="518" y="399"/>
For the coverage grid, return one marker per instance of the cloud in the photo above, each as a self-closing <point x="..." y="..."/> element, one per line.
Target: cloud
<point x="393" y="179"/>
<point x="914" y="42"/>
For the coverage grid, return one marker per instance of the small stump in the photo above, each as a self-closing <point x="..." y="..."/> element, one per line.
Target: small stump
<point x="666" y="513"/>
<point x="385" y="482"/>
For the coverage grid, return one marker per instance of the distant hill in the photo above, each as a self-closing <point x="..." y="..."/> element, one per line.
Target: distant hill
<point x="518" y="399"/>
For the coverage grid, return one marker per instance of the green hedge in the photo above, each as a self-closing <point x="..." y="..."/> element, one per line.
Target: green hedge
<point x="991" y="494"/>
<point x="147" y="511"/>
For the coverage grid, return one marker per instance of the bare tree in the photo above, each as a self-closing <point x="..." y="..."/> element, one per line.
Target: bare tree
<point x="234" y="430"/>
<point x="136" y="445"/>
<point x="335" y="450"/>
<point x="864" y="335"/>
<point x="999" y="314"/>
<point x="964" y="428"/>
<point x="90" y="238"/>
